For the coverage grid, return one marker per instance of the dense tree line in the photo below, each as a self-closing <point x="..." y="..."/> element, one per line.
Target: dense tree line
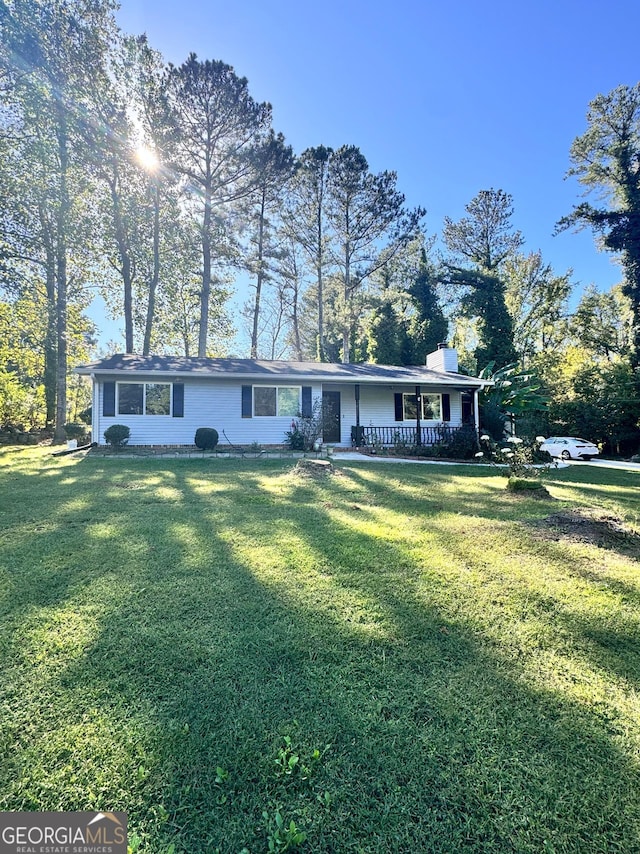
<point x="161" y="187"/>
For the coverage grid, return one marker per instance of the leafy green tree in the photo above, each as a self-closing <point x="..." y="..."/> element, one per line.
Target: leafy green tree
<point x="386" y="334"/>
<point x="290" y="276"/>
<point x="513" y="395"/>
<point x="480" y="244"/>
<point x="406" y="321"/>
<point x="50" y="52"/>
<point x="606" y="160"/>
<point x="130" y="138"/>
<point x="23" y="339"/>
<point x="122" y="192"/>
<point x="537" y="300"/>
<point x="428" y="326"/>
<point x="600" y="402"/>
<point x="22" y="329"/>
<point x="176" y="328"/>
<point x="485" y="238"/>
<point x="27" y="233"/>
<point x="486" y="301"/>
<point x="334" y="312"/>
<point x="602" y="323"/>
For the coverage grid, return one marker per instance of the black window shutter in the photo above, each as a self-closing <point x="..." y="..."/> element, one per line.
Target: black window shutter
<point x="178" y="400"/>
<point x="399" y="406"/>
<point x="446" y="407"/>
<point x="306" y="401"/>
<point x="108" y="399"/>
<point x="246" y="401"/>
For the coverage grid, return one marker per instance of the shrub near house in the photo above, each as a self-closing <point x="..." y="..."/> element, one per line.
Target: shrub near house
<point x="117" y="435"/>
<point x="206" y="438"/>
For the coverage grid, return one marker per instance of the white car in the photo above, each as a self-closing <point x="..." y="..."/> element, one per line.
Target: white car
<point x="568" y="448"/>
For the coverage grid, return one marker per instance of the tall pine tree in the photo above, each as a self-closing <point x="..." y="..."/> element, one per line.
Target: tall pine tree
<point x="428" y="326"/>
<point x="480" y="243"/>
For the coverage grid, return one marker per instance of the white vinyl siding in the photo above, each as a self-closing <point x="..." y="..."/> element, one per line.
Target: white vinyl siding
<point x="218" y="403"/>
<point x="207" y="403"/>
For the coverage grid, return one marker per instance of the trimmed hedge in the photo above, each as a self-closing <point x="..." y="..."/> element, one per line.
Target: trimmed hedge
<point x="117" y="435"/>
<point x="206" y="438"/>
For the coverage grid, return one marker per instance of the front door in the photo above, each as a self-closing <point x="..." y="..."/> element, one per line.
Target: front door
<point x="467" y="407"/>
<point x="331" y="416"/>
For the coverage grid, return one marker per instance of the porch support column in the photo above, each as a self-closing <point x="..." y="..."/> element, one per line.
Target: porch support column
<point x="418" y="408"/>
<point x="357" y="438"/>
<point x="476" y="410"/>
<point x="95" y="410"/>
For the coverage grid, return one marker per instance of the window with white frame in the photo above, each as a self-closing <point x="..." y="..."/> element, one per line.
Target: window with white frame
<point x="144" y="399"/>
<point x="276" y="400"/>
<point x="431" y="409"/>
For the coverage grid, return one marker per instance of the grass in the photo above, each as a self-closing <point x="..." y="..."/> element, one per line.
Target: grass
<point x="392" y="658"/>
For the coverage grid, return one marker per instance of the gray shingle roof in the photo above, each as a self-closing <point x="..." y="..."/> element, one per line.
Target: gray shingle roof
<point x="258" y="369"/>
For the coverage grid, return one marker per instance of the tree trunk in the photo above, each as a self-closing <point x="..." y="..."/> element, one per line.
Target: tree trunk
<point x="319" y="265"/>
<point x="346" y="328"/>
<point x="631" y="289"/>
<point x="50" y="350"/>
<point x="50" y="355"/>
<point x="126" y="265"/>
<point x="260" y="278"/>
<point x="205" y="296"/>
<point x="62" y="216"/>
<point x="155" y="276"/>
<point x="295" y="322"/>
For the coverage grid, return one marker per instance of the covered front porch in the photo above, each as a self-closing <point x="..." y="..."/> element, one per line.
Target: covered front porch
<point x="402" y="415"/>
<point x="410" y="436"/>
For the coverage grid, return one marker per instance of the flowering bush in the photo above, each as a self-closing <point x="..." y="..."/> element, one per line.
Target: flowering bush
<point x="306" y="430"/>
<point x="522" y="459"/>
<point x="295" y="438"/>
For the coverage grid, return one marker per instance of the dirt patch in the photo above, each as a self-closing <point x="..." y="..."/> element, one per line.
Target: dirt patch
<point x="585" y="525"/>
<point x="310" y="468"/>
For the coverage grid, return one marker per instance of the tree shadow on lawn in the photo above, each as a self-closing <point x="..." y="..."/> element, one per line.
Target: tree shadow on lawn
<point x="481" y="494"/>
<point x="204" y="658"/>
<point x="604" y="488"/>
<point x="609" y="640"/>
<point x="612" y="646"/>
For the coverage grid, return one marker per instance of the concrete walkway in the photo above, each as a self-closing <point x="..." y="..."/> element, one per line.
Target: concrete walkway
<point x="366" y="458"/>
<point x="354" y="456"/>
<point x="607" y="464"/>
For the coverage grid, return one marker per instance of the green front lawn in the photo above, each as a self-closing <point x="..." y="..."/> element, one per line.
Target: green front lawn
<point x="396" y="658"/>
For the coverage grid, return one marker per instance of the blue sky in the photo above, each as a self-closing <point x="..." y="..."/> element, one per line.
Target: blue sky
<point x="455" y="97"/>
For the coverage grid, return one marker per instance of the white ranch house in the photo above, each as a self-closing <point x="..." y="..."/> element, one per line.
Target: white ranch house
<point x="164" y="399"/>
